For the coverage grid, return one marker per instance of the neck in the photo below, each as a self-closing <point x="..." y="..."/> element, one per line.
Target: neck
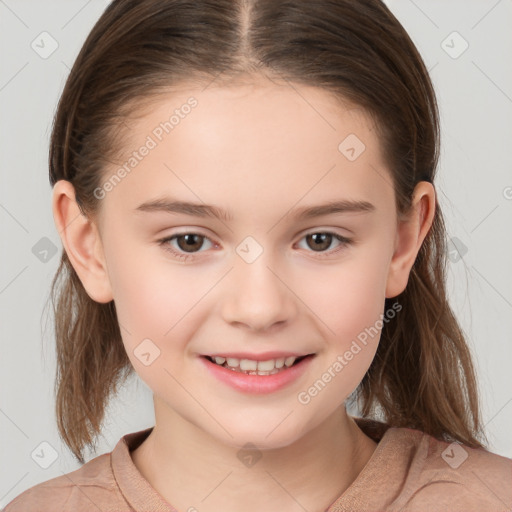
<point x="189" y="468"/>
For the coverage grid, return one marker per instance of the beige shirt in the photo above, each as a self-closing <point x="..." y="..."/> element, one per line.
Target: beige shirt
<point x="408" y="471"/>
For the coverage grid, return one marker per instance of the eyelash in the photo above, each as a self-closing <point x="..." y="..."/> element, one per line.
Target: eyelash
<point x="184" y="256"/>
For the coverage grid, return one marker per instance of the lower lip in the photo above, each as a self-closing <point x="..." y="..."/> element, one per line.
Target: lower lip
<point x="258" y="384"/>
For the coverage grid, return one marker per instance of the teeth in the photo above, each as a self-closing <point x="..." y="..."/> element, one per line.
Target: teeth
<point x="247" y="364"/>
<point x="255" y="367"/>
<point x="264" y="366"/>
<point x="289" y="361"/>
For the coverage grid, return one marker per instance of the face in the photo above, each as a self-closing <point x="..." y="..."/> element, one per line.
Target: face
<point x="261" y="278"/>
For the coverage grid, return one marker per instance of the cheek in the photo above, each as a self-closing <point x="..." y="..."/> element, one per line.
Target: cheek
<point x="153" y="303"/>
<point x="142" y="294"/>
<point x="149" y="296"/>
<point x="152" y="311"/>
<point x="346" y="298"/>
<point x="156" y="300"/>
<point x="348" y="306"/>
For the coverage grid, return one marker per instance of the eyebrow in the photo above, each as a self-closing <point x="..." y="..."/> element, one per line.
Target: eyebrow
<point x="169" y="205"/>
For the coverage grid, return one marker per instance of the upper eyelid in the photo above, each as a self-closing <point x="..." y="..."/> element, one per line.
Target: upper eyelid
<point x="344" y="238"/>
<point x="306" y="233"/>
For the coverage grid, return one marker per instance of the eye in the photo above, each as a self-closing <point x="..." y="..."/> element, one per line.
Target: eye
<point x="187" y="243"/>
<point x="321" y="240"/>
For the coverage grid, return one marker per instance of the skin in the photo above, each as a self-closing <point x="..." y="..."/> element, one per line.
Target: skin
<point x="257" y="150"/>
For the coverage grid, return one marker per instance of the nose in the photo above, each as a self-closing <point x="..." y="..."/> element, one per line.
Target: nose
<point x="258" y="297"/>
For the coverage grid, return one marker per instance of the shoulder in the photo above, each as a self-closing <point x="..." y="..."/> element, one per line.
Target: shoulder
<point x="91" y="487"/>
<point x="412" y="471"/>
<point x="453" y="476"/>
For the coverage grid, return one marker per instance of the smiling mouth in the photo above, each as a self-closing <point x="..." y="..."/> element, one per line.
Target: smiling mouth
<point x="251" y="367"/>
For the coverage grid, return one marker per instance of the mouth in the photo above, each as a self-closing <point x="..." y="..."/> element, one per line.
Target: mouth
<point x="257" y="367"/>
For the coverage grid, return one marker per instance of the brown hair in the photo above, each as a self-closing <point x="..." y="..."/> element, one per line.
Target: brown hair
<point x="422" y="375"/>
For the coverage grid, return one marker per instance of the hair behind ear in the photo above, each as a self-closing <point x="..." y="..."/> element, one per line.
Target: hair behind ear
<point x="422" y="375"/>
<point x="91" y="359"/>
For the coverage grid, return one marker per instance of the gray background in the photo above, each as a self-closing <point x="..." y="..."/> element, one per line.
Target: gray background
<point x="474" y="185"/>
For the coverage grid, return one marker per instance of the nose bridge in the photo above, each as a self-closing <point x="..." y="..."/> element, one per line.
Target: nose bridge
<point x="257" y="296"/>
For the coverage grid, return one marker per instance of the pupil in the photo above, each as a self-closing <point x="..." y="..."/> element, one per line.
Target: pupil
<point x="322" y="237"/>
<point x="190" y="242"/>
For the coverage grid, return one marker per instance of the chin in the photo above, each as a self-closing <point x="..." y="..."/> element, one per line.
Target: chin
<point x="263" y="437"/>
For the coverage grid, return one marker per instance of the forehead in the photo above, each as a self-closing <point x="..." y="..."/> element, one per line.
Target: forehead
<point x="254" y="145"/>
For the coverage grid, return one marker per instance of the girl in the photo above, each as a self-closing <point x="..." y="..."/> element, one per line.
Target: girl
<point x="245" y="195"/>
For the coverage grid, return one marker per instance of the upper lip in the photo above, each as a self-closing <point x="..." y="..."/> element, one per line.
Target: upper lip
<point x="264" y="356"/>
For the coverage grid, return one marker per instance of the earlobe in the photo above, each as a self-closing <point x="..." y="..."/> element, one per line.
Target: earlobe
<point x="409" y="237"/>
<point x="82" y="242"/>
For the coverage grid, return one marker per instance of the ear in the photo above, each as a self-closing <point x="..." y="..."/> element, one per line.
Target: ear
<point x="410" y="235"/>
<point x="81" y="240"/>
